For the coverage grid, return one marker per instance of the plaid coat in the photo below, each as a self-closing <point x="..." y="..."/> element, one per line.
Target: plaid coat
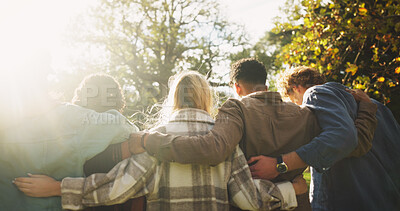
<point x="174" y="186"/>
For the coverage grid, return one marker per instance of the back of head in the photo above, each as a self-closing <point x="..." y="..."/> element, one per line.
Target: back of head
<point x="99" y="92"/>
<point x="249" y="71"/>
<point x="187" y="90"/>
<point x="190" y="90"/>
<point x="299" y="76"/>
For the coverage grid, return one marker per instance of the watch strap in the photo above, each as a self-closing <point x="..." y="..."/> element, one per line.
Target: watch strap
<point x="279" y="159"/>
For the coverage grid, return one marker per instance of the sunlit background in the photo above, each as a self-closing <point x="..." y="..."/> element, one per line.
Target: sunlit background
<point x="39" y="37"/>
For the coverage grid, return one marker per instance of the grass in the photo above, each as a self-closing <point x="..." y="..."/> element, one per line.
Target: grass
<point x="307" y="176"/>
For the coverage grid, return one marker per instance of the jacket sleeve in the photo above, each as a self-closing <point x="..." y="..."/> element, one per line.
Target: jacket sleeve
<point x="365" y="123"/>
<point x="255" y="194"/>
<point x="338" y="137"/>
<point x="96" y="131"/>
<point x="131" y="178"/>
<point x="211" y="148"/>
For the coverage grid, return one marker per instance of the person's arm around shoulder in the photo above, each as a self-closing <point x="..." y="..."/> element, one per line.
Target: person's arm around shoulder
<point x="365" y="123"/>
<point x="131" y="178"/>
<point x="211" y="148"/>
<point x="339" y="135"/>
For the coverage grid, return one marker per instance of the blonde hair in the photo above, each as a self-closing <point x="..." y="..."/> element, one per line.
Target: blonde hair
<point x="303" y="75"/>
<point x="187" y="90"/>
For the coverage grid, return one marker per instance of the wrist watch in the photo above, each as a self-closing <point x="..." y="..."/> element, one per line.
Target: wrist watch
<point x="281" y="166"/>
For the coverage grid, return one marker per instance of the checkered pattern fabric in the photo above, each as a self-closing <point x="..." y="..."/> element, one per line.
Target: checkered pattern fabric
<point x="174" y="186"/>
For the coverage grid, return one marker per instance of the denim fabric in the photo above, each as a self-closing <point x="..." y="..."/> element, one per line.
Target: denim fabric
<point x="370" y="182"/>
<point x="56" y="144"/>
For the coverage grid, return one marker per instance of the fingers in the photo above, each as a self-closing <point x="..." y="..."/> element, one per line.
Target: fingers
<point x="37" y="175"/>
<point x="23" y="185"/>
<point x="254" y="159"/>
<point x="24" y="180"/>
<point x="254" y="167"/>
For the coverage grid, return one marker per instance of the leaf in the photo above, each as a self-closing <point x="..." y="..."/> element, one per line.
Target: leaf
<point x="362" y="11"/>
<point x="397" y="70"/>
<point x="352" y="68"/>
<point x="381" y="79"/>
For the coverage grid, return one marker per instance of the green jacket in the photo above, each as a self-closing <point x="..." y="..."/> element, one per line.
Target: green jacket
<point x="57" y="144"/>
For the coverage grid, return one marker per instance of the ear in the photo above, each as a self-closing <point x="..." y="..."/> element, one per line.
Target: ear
<point x="296" y="89"/>
<point x="238" y="89"/>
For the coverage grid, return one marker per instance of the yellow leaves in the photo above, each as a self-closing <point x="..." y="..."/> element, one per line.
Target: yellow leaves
<point x="381" y="79"/>
<point x="329" y="67"/>
<point x="359" y="86"/>
<point x="391" y="84"/>
<point x="336" y="50"/>
<point x="397" y="59"/>
<point x="397" y="70"/>
<point x="352" y="68"/>
<point x="362" y="11"/>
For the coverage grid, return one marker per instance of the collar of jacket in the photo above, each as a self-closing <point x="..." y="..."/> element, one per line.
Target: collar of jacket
<point x="268" y="96"/>
<point x="191" y="115"/>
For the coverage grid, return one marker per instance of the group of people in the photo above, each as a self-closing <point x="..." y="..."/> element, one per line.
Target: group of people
<point x="250" y="157"/>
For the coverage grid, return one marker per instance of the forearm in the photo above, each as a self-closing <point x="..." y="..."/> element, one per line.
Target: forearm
<point x="106" y="160"/>
<point x="338" y="137"/>
<point x="129" y="179"/>
<point x="365" y="124"/>
<point x="211" y="148"/>
<point x="293" y="161"/>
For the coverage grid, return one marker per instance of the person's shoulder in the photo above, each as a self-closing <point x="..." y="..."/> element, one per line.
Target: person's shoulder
<point x="232" y="102"/>
<point x="317" y="89"/>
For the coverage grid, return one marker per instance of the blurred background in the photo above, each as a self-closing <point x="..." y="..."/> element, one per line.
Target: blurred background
<point x="144" y="42"/>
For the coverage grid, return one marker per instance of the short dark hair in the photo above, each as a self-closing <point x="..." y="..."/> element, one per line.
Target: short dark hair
<point x="248" y="70"/>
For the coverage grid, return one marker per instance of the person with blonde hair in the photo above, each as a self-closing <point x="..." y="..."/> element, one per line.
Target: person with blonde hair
<point x="260" y="122"/>
<point x="175" y="186"/>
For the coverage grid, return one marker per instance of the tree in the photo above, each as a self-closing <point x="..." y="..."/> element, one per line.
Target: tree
<point x="147" y="41"/>
<point x="354" y="42"/>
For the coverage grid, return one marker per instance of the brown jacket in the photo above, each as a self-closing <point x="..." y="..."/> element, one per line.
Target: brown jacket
<point x="262" y="124"/>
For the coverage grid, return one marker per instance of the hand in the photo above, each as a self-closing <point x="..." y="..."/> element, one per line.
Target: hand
<point x="135" y="145"/>
<point x="264" y="168"/>
<point x="300" y="185"/>
<point x="38" y="186"/>
<point x="359" y="95"/>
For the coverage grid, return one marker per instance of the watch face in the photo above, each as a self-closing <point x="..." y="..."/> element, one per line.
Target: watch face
<point x="281" y="168"/>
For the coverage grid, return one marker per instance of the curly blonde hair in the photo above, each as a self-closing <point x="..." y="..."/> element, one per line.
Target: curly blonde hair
<point x="303" y="75"/>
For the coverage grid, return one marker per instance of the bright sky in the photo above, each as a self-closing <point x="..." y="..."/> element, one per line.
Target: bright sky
<point x="26" y="24"/>
<point x="256" y="15"/>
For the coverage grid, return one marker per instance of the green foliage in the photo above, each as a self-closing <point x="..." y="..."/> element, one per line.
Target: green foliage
<point x="148" y="41"/>
<point x="353" y="42"/>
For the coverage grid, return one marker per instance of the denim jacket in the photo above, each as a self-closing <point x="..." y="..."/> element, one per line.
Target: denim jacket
<point x="339" y="182"/>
